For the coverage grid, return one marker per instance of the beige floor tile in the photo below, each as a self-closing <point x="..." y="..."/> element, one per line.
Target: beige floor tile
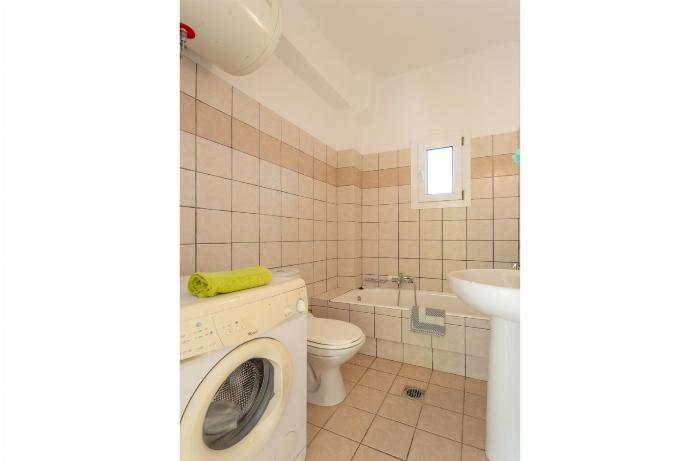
<point x="475" y="386"/>
<point x="311" y="432"/>
<point x="427" y="447"/>
<point x="350" y="422"/>
<point x="444" y="397"/>
<point x="389" y="437"/>
<point x="365" y="398"/>
<point x="318" y="415"/>
<point x="441" y="422"/>
<point x="349" y="385"/>
<point x="331" y="447"/>
<point x="475" y="405"/>
<point x="441" y="378"/>
<point x="364" y="453"/>
<point x="473" y="431"/>
<point x="362" y="360"/>
<point x="473" y="454"/>
<point x="352" y="372"/>
<point x="401" y="409"/>
<point x="377" y="380"/>
<point x="415" y="372"/>
<point x="387" y="366"/>
<point x="400" y="382"/>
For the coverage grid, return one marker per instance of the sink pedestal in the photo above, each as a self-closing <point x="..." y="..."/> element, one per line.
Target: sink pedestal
<point x="503" y="394"/>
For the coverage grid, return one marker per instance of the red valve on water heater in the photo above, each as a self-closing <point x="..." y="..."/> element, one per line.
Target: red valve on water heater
<point x="186" y="33"/>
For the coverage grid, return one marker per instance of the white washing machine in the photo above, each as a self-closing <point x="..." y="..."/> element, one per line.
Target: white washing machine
<point x="243" y="360"/>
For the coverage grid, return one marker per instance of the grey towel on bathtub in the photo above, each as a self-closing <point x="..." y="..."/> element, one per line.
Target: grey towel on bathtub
<point x="428" y="320"/>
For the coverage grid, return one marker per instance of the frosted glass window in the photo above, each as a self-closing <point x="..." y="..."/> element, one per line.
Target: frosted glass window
<point x="439" y="163"/>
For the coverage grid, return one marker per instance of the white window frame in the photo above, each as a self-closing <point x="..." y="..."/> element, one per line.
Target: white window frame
<point x="461" y="195"/>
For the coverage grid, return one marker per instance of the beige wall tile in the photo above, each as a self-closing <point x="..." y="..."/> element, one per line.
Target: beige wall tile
<point x="505" y="143"/>
<point x="245" y="255"/>
<point x="480" y="250"/>
<point x="188" y="76"/>
<point x="404" y="157"/>
<point x="213" y="192"/>
<point x="245" y="167"/>
<point x="370" y="248"/>
<point x="370" y="162"/>
<point x="269" y="175"/>
<point x="320" y="189"/>
<point x="388" y="213"/>
<point x="270" y="122"/>
<point x="187" y="150"/>
<point x="477" y="342"/>
<point x="482" y="167"/>
<point x="481" y="229"/>
<point x="187" y="225"/>
<point x="245" y="109"/>
<point x="306" y="230"/>
<point x="456" y="250"/>
<point x="306" y="252"/>
<point x="388" y="248"/>
<point x="290" y="255"/>
<point x="390" y="350"/>
<point x="187" y="259"/>
<point x="431" y="214"/>
<point x="506" y="251"/>
<point x="269" y="254"/>
<point x="306" y="143"/>
<point x="388" y="160"/>
<point x="408" y="231"/>
<point x="245" y="138"/>
<point x="245" y="227"/>
<point x="270" y="202"/>
<point x="482" y="188"/>
<point x="407" y="213"/>
<point x="212" y="124"/>
<point x="388" y="328"/>
<point x="430" y="230"/>
<point x="213" y="257"/>
<point x="430" y="268"/>
<point x="306" y="164"/>
<point x="388" y="178"/>
<point x="507" y="186"/>
<point x="213" y="90"/>
<point x="417" y="355"/>
<point x="508" y="207"/>
<point x="431" y="284"/>
<point x="480" y="265"/>
<point x="187" y="113"/>
<point x="363" y="320"/>
<point x="269" y="149"/>
<point x="431" y="249"/>
<point x="370" y="231"/>
<point x="306" y="208"/>
<point x="305" y="186"/>
<point x="370" y="196"/>
<point x="245" y="197"/>
<point x="454" y="230"/>
<point x="388" y="195"/>
<point x="506" y="229"/>
<point x="370" y="265"/>
<point x="289" y="157"/>
<point x="289" y="181"/>
<point x="450" y="265"/>
<point x="370" y="213"/>
<point x="477" y="367"/>
<point x="453" y="340"/>
<point x="269" y="228"/>
<point x="370" y="179"/>
<point x="388" y="266"/>
<point x="404" y="176"/>
<point x="319" y="210"/>
<point x="455" y="214"/>
<point x="187" y="188"/>
<point x="409" y="266"/>
<point x="320" y="151"/>
<point x="505" y="166"/>
<point x="388" y="230"/>
<point x="213" y="158"/>
<point x="213" y="226"/>
<point x="482" y="146"/>
<point x="404" y="195"/>
<point x="289" y="229"/>
<point x="450" y="362"/>
<point x="481" y="209"/>
<point x="320" y="171"/>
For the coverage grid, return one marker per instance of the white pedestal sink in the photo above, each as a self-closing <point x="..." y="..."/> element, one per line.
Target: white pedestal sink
<point x="496" y="292"/>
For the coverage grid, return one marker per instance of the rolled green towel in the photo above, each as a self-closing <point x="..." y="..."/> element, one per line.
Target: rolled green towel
<point x="205" y="284"/>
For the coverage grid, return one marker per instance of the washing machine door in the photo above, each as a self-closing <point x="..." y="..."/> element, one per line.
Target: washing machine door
<point x="238" y="404"/>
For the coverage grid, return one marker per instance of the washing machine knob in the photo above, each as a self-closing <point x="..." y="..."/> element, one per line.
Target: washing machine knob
<point x="301" y="306"/>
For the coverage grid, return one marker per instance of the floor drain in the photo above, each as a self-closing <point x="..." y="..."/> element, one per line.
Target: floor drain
<point x="413" y="392"/>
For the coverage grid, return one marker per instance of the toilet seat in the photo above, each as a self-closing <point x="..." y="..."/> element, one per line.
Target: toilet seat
<point x="330" y="334"/>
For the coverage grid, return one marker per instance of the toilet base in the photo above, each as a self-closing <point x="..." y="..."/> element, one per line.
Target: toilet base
<point x="330" y="389"/>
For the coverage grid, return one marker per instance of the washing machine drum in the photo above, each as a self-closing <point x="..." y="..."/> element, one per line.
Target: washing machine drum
<point x="238" y="404"/>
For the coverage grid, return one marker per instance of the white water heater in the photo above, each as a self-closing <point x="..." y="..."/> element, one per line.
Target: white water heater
<point x="236" y="35"/>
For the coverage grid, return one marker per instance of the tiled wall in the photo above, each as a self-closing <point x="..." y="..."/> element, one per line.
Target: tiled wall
<point x="254" y="187"/>
<point x="429" y="243"/>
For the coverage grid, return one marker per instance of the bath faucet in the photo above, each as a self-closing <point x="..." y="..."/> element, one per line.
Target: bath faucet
<point x="405" y="278"/>
<point x="516" y="266"/>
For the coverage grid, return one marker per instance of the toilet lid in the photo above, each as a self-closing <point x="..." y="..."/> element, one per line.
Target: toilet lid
<point x="330" y="332"/>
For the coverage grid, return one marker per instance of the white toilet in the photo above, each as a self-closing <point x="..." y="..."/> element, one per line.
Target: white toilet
<point x="330" y="343"/>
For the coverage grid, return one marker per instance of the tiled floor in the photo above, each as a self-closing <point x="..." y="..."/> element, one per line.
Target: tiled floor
<point x="376" y="423"/>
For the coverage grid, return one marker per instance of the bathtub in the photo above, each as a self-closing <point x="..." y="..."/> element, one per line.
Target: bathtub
<point x="385" y="320"/>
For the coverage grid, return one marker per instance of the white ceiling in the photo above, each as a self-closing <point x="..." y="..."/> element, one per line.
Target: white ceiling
<point x="388" y="37"/>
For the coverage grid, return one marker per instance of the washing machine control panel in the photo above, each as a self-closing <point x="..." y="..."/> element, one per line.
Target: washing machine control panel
<point x="239" y="324"/>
